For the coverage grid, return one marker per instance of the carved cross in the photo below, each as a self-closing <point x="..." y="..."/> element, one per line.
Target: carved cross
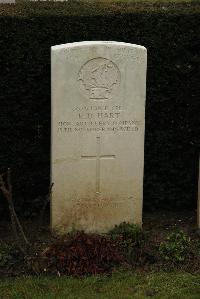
<point x="98" y="159"/>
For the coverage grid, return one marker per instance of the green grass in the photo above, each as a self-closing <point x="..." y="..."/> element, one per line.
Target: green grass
<point x="121" y="285"/>
<point x="126" y="1"/>
<point x="140" y="1"/>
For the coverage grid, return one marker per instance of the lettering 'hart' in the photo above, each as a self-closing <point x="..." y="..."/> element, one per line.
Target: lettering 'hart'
<point x="98" y="120"/>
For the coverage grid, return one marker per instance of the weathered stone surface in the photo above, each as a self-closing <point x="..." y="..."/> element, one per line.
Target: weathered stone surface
<point x="98" y="119"/>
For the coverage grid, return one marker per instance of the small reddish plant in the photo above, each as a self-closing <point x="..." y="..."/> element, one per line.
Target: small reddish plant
<point x="83" y="254"/>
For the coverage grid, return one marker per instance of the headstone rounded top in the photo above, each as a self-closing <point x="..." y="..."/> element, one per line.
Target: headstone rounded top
<point x="96" y="43"/>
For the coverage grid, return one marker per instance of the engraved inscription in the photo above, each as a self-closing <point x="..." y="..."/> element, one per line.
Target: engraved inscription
<point x="99" y="78"/>
<point x="99" y="118"/>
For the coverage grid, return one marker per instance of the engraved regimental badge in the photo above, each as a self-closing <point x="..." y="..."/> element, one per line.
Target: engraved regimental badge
<point x="99" y="78"/>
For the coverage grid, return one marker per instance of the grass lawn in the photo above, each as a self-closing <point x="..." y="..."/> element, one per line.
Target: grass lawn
<point x="140" y="1"/>
<point x="127" y="1"/>
<point x="121" y="285"/>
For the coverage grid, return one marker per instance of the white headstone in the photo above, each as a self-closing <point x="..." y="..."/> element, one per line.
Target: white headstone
<point x="98" y="120"/>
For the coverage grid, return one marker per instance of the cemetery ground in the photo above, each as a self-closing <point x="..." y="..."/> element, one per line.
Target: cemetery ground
<point x="151" y="270"/>
<point x="121" y="285"/>
<point x="159" y="260"/>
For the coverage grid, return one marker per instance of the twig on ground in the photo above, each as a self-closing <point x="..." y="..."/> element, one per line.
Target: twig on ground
<point x="6" y="188"/>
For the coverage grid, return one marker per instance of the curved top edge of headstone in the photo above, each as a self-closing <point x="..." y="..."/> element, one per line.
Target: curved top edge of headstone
<point x="97" y="43"/>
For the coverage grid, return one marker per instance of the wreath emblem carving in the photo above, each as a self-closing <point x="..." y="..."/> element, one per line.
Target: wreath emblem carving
<point x="99" y="78"/>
